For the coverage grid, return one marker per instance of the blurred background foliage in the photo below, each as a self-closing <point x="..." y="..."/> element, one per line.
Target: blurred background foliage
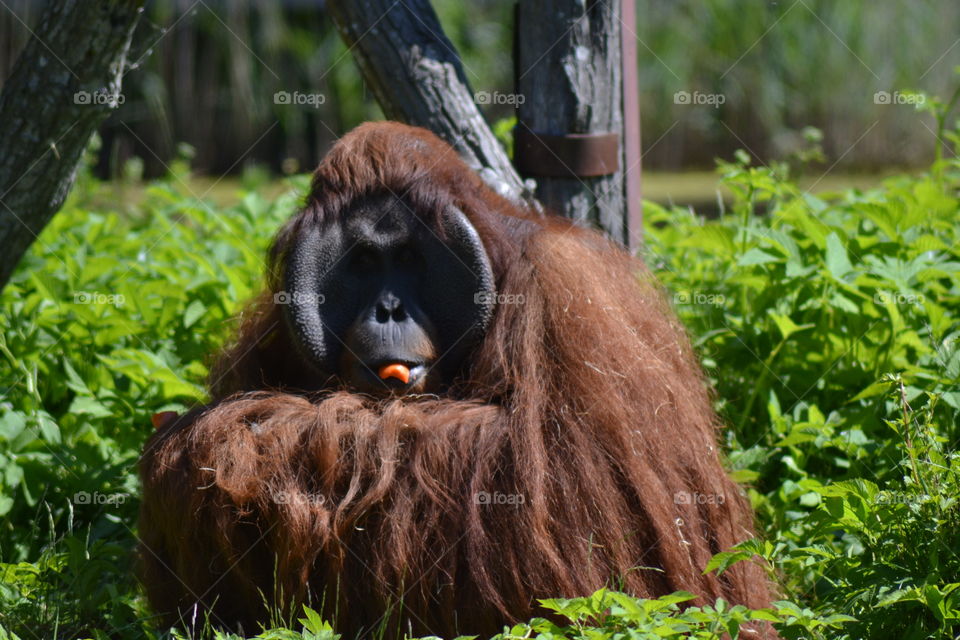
<point x="215" y="65"/>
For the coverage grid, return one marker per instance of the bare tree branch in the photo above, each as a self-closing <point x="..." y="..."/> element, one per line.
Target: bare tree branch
<point x="417" y="77"/>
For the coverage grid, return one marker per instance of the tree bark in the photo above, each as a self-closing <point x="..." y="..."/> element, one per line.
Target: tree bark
<point x="416" y="75"/>
<point x="65" y="82"/>
<point x="568" y="71"/>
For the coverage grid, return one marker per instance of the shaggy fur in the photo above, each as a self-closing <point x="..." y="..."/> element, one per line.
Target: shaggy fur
<point x="583" y="415"/>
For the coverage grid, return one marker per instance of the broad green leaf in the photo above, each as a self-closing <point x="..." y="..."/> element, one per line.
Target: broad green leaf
<point x="195" y="310"/>
<point x="838" y="264"/>
<point x="756" y="256"/>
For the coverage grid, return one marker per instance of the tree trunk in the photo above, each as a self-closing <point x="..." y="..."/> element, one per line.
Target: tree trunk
<point x="417" y="77"/>
<point x="569" y="74"/>
<point x="65" y="82"/>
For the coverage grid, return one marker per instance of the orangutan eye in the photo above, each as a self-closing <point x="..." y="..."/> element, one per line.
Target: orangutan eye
<point x="407" y="257"/>
<point x="364" y="259"/>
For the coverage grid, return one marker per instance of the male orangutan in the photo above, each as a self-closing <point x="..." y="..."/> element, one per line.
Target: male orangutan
<point x="442" y="409"/>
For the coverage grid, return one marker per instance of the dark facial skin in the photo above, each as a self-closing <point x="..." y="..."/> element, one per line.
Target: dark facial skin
<point x="385" y="301"/>
<point x="393" y="328"/>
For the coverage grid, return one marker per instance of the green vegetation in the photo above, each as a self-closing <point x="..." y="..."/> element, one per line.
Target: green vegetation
<point x="780" y="66"/>
<point x="829" y="327"/>
<point x="109" y="319"/>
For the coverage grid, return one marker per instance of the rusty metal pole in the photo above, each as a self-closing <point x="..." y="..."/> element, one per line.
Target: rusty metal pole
<point x="632" y="174"/>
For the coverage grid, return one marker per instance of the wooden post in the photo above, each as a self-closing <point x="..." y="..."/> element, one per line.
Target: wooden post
<point x="571" y="134"/>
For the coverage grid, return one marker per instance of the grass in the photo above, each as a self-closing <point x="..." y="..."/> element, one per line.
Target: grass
<point x="701" y="190"/>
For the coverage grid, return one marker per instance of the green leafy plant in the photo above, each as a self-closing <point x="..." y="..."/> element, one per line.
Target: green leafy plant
<point x="109" y="319"/>
<point x="828" y="325"/>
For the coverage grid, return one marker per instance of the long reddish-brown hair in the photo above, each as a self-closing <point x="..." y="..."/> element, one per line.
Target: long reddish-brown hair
<point x="576" y="449"/>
